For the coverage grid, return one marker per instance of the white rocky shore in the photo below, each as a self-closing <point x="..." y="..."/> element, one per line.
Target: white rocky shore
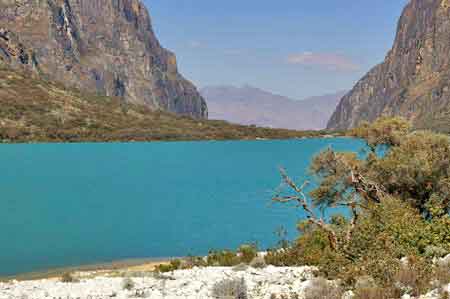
<point x="197" y="283"/>
<point x="193" y="283"/>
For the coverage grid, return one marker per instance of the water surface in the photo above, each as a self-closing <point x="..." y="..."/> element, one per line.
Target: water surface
<point x="72" y="204"/>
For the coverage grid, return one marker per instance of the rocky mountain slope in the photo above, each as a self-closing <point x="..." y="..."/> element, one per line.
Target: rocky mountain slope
<point x="252" y="106"/>
<point x="35" y="110"/>
<point x="101" y="46"/>
<point x="414" y="79"/>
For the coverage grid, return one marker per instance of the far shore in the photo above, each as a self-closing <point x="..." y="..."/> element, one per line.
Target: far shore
<point x="127" y="265"/>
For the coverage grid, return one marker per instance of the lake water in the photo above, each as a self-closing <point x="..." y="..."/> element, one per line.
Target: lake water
<point x="73" y="204"/>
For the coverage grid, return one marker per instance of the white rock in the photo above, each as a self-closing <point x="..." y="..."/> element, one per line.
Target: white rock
<point x="348" y="295"/>
<point x="444" y="261"/>
<point x="181" y="284"/>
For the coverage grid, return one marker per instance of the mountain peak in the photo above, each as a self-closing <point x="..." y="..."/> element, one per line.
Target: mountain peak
<point x="413" y="79"/>
<point x="102" y="46"/>
<point x="254" y="106"/>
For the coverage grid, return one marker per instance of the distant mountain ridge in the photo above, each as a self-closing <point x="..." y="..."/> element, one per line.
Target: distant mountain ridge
<point x="413" y="80"/>
<point x="253" y="106"/>
<point x="99" y="46"/>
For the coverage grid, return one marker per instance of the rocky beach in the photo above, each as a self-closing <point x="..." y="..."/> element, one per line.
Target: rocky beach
<point x="197" y="283"/>
<point x="192" y="283"/>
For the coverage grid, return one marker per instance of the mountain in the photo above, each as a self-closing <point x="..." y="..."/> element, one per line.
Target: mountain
<point x="413" y="81"/>
<point x="102" y="46"/>
<point x="35" y="110"/>
<point x="252" y="106"/>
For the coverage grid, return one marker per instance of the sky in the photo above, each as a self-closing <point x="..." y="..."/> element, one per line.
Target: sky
<point x="295" y="48"/>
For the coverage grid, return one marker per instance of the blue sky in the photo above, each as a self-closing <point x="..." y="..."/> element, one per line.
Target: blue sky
<point x="297" y="48"/>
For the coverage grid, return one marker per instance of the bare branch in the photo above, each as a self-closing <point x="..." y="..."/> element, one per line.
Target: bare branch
<point x="302" y="201"/>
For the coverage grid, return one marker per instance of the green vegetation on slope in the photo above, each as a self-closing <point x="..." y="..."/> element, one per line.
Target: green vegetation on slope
<point x="34" y="110"/>
<point x="400" y="205"/>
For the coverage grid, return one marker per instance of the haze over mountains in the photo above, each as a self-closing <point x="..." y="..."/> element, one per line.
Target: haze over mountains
<point x="253" y="106"/>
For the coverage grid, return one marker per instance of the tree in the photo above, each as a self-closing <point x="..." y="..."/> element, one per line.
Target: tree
<point x="415" y="167"/>
<point x="399" y="198"/>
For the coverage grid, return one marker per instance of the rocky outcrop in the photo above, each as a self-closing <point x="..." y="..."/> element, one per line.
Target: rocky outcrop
<point x="413" y="81"/>
<point x="102" y="46"/>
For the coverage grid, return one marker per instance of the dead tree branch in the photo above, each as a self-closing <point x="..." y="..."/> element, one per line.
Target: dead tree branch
<point x="302" y="201"/>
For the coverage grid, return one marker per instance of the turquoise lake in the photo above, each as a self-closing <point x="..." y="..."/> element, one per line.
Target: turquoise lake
<point x="74" y="204"/>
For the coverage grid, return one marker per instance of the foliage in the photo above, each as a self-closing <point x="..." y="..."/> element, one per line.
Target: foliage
<point x="417" y="171"/>
<point x="441" y="274"/>
<point x="163" y="268"/>
<point x="413" y="276"/>
<point x="399" y="203"/>
<point x="67" y="278"/>
<point x="383" y="131"/>
<point x="333" y="171"/>
<point x="193" y="261"/>
<point x="247" y="253"/>
<point x="173" y="265"/>
<point x="225" y="258"/>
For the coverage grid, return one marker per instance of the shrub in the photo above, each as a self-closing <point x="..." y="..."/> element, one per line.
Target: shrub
<point x="258" y="262"/>
<point x="67" y="278"/>
<point x="194" y="261"/>
<point x="375" y="293"/>
<point x="127" y="284"/>
<point x="398" y="196"/>
<point x="413" y="276"/>
<point x="441" y="275"/>
<point x="163" y="268"/>
<point x="225" y="258"/>
<point x="434" y="251"/>
<point x="282" y="258"/>
<point x="230" y="288"/>
<point x="247" y="253"/>
<point x="175" y="264"/>
<point x="320" y="288"/>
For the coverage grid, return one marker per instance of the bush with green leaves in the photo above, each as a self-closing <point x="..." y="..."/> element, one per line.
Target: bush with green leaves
<point x="399" y="204"/>
<point x="247" y="253"/>
<point x="226" y="258"/>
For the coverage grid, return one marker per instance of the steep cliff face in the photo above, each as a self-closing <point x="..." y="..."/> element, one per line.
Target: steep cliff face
<point x="107" y="46"/>
<point x="414" y="79"/>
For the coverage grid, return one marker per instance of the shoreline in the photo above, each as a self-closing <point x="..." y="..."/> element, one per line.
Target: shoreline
<point x="132" y="264"/>
<point x="319" y="136"/>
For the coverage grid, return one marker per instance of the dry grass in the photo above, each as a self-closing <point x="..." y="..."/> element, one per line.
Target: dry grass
<point x="375" y="293"/>
<point x="321" y="288"/>
<point x="230" y="289"/>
